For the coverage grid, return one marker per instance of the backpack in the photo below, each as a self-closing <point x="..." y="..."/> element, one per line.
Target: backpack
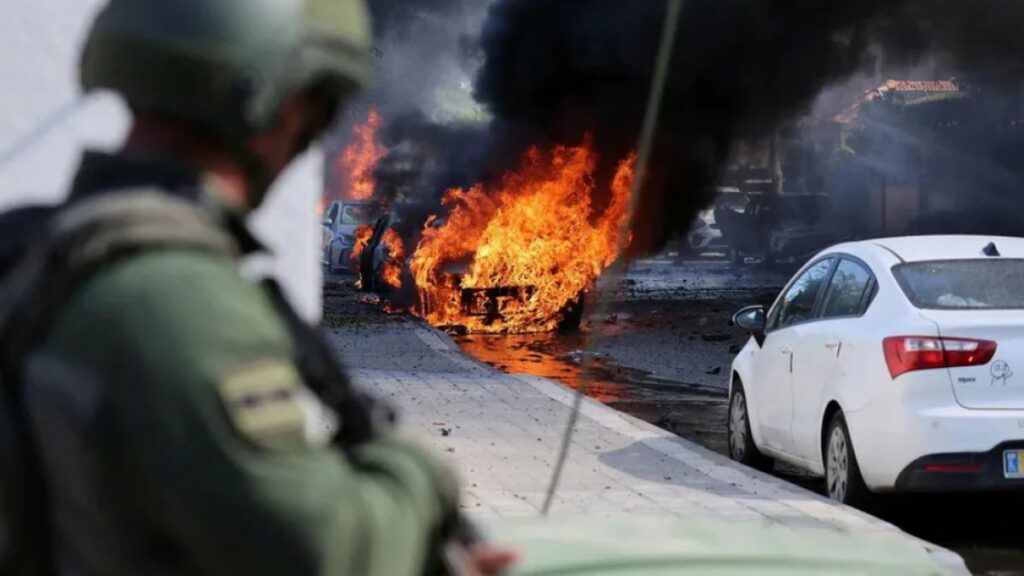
<point x="46" y="253"/>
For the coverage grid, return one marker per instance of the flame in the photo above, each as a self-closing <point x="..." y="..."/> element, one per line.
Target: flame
<point x="358" y="160"/>
<point x="363" y="236"/>
<point x="533" y="246"/>
<point x="395" y="263"/>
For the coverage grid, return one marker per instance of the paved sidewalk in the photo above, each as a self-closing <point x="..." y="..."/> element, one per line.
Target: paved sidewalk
<point x="503" y="432"/>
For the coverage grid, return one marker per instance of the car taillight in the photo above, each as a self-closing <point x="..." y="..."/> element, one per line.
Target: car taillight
<point x="932" y="468"/>
<point x="908" y="353"/>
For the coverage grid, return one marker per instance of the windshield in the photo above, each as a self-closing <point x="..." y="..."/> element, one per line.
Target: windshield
<point x="963" y="284"/>
<point x="358" y="213"/>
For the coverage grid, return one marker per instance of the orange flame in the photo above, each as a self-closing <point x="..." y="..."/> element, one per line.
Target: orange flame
<point x="358" y="160"/>
<point x="363" y="236"/>
<point x="395" y="263"/>
<point x="533" y="246"/>
<point x="393" y="266"/>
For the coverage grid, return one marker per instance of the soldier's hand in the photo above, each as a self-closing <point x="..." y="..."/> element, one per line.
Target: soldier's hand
<point x="490" y="560"/>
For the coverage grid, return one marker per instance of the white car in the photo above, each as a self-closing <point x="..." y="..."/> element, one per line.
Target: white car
<point x="890" y="365"/>
<point x="341" y="220"/>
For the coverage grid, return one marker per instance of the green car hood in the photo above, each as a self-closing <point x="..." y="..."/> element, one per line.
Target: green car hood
<point x="644" y="547"/>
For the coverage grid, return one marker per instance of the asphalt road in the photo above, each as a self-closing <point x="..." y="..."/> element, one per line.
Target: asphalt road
<point x="663" y="353"/>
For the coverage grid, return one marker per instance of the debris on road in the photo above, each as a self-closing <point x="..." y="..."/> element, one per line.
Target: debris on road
<point x="369" y="299"/>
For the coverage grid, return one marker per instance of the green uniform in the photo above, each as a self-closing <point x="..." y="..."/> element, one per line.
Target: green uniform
<point x="177" y="435"/>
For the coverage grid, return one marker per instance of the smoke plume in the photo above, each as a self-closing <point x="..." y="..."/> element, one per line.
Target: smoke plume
<point x="426" y="58"/>
<point x="550" y="72"/>
<point x="739" y="70"/>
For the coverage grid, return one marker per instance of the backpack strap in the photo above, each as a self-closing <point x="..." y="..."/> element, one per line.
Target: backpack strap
<point x="88" y="236"/>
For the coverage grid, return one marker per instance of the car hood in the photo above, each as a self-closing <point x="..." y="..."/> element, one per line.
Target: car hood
<point x="653" y="547"/>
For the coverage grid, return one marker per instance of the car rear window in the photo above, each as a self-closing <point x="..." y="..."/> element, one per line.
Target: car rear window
<point x="992" y="284"/>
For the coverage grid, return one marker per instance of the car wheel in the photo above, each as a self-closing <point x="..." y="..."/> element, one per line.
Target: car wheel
<point x="843" y="480"/>
<point x="741" y="442"/>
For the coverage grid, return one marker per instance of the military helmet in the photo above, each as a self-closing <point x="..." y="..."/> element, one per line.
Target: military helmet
<point x="226" y="65"/>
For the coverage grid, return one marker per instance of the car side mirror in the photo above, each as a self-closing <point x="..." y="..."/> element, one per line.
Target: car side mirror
<point x="752" y="319"/>
<point x="326" y="222"/>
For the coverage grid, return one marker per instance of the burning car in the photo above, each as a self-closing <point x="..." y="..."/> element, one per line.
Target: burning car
<point x="379" y="255"/>
<point x="492" y="308"/>
<point x="517" y="257"/>
<point x="341" y="222"/>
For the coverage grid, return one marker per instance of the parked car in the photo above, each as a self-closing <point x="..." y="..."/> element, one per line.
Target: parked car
<point x="803" y="225"/>
<point x="341" y="220"/>
<point x="705" y="235"/>
<point x="890" y="365"/>
<point x="783" y="230"/>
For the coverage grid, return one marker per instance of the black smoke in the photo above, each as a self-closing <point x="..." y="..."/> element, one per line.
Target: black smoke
<point x="740" y="69"/>
<point x="553" y="71"/>
<point x="425" y="54"/>
<point x="979" y="36"/>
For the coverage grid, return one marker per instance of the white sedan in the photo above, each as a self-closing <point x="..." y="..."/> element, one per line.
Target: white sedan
<point x="890" y="365"/>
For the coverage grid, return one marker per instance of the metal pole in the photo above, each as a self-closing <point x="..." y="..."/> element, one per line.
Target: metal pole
<point x="646" y="147"/>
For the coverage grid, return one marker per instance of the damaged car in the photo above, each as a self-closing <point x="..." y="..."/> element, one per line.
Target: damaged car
<point x="781" y="231"/>
<point x="341" y="220"/>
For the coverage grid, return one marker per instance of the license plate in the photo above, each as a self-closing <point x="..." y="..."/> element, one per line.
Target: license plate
<point x="1012" y="461"/>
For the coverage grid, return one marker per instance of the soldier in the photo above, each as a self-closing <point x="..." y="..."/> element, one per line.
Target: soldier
<point x="184" y="420"/>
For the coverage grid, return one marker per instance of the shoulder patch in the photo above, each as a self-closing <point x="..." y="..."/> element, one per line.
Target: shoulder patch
<point x="263" y="400"/>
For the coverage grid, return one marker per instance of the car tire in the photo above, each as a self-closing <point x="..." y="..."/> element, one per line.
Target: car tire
<point x="741" y="442"/>
<point x="843" y="480"/>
